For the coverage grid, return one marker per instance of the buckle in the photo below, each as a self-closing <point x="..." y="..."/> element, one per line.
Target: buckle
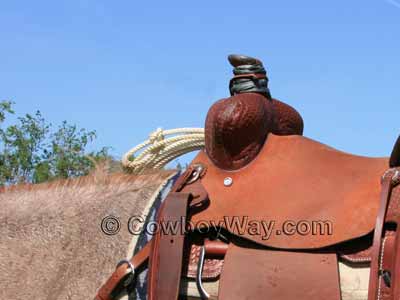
<point x="131" y="272"/>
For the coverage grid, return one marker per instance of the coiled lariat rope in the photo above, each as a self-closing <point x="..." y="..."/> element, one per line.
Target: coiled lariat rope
<point x="160" y="150"/>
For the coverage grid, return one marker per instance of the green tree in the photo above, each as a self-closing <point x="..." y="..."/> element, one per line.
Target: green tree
<point x="32" y="152"/>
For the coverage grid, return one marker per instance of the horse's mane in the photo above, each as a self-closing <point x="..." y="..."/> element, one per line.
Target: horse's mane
<point x="98" y="177"/>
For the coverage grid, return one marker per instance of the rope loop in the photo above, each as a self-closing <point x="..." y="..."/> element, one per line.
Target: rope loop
<point x="158" y="150"/>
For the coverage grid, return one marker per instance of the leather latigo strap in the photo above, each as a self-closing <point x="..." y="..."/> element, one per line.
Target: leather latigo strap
<point x="165" y="263"/>
<point x="167" y="253"/>
<point x="384" y="256"/>
<point x="113" y="287"/>
<point x="114" y="284"/>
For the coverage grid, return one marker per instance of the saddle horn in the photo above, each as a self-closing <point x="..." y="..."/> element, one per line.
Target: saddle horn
<point x="395" y="156"/>
<point x="237" y="60"/>
<point x="237" y="127"/>
<point x="249" y="76"/>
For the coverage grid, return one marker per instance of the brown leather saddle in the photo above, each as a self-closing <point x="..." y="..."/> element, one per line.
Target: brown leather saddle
<point x="270" y="213"/>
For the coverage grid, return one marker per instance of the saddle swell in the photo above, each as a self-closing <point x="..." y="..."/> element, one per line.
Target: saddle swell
<point x="236" y="127"/>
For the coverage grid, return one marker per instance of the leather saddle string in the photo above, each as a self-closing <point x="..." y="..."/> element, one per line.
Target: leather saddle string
<point x="378" y="233"/>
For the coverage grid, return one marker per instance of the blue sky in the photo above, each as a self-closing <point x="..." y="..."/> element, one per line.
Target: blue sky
<point x="125" y="68"/>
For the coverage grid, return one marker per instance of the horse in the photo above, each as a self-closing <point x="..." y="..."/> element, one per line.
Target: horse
<point x="60" y="240"/>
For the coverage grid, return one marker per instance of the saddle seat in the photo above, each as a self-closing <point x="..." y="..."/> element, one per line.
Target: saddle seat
<point x="294" y="180"/>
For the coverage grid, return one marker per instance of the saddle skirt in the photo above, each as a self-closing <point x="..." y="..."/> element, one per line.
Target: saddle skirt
<point x="294" y="178"/>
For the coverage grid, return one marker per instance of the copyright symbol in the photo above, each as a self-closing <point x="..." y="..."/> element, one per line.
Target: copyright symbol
<point x="110" y="225"/>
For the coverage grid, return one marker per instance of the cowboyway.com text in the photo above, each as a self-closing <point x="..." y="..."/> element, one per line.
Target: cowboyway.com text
<point x="241" y="225"/>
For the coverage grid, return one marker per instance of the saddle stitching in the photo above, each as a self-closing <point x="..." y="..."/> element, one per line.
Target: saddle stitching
<point x="381" y="268"/>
